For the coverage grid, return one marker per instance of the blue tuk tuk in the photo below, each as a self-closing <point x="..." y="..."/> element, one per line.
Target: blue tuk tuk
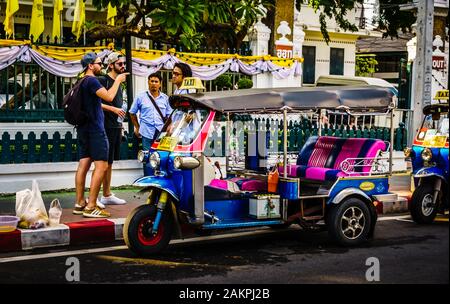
<point x="330" y="182"/>
<point x="429" y="157"/>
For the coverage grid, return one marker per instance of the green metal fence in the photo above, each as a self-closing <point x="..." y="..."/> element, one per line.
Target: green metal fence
<point x="63" y="148"/>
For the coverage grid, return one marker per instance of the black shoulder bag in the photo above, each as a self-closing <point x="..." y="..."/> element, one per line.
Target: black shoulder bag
<point x="164" y="119"/>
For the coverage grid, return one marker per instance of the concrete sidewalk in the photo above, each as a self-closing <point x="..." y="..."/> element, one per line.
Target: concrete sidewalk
<point x="77" y="230"/>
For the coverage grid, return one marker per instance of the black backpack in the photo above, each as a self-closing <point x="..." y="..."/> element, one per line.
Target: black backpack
<point x="72" y="105"/>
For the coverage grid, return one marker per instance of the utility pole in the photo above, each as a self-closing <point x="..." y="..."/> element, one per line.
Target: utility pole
<point x="422" y="71"/>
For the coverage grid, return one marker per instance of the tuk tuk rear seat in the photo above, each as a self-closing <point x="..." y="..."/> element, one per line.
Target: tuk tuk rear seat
<point x="243" y="184"/>
<point x="321" y="157"/>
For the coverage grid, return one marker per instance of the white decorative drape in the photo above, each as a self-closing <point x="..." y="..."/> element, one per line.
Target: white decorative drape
<point x="142" y="67"/>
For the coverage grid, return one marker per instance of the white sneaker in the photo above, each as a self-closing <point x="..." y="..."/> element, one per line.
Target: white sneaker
<point x="100" y="205"/>
<point x="112" y="200"/>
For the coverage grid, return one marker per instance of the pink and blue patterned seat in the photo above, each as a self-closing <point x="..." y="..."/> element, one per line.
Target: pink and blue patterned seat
<point x="321" y="157"/>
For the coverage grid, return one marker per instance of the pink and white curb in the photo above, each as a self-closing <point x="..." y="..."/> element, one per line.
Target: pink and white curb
<point x="77" y="233"/>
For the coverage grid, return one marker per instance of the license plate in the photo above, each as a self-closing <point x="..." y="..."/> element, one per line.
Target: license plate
<point x="167" y="143"/>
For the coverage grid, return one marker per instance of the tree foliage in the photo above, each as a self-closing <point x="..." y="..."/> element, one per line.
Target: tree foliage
<point x="390" y="19"/>
<point x="365" y="66"/>
<point x="192" y="23"/>
<point x="224" y="24"/>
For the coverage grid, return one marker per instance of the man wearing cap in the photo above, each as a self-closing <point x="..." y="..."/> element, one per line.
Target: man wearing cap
<point x="92" y="141"/>
<point x="114" y="114"/>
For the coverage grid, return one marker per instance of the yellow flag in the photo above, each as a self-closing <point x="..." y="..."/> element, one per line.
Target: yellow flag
<point x="57" y="9"/>
<point x="12" y="6"/>
<point x="112" y="12"/>
<point x="37" y="19"/>
<point x="79" y="17"/>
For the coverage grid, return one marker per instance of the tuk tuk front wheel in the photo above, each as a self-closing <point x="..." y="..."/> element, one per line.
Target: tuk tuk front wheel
<point x="138" y="234"/>
<point x="349" y="222"/>
<point x="422" y="209"/>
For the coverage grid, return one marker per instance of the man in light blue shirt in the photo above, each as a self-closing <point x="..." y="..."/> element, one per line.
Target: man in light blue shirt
<point x="150" y="120"/>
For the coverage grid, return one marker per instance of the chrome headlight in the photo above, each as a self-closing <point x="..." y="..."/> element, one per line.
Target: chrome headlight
<point x="407" y="151"/>
<point x="155" y="160"/>
<point x="177" y="162"/>
<point x="142" y="156"/>
<point x="427" y="154"/>
<point x="185" y="162"/>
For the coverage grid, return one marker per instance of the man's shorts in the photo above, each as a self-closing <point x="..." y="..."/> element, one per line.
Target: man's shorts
<point x="93" y="144"/>
<point x="115" y="139"/>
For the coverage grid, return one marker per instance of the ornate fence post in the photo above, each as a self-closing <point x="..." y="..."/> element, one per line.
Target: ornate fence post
<point x="259" y="44"/>
<point x="6" y="149"/>
<point x="44" y="155"/>
<point x="31" y="147"/>
<point x="18" y="148"/>
<point x="56" y="157"/>
<point x="68" y="146"/>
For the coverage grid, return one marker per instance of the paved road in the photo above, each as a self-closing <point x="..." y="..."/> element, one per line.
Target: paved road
<point x="407" y="253"/>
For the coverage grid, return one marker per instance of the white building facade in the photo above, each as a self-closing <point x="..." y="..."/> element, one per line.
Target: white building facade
<point x="338" y="56"/>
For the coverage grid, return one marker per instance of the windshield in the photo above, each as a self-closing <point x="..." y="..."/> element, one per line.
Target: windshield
<point x="183" y="126"/>
<point x="434" y="131"/>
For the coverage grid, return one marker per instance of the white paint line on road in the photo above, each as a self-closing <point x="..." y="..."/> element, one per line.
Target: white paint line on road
<point x="405" y="220"/>
<point x="122" y="247"/>
<point x="392" y="218"/>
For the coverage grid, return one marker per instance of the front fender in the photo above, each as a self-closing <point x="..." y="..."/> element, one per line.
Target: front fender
<point x="429" y="172"/>
<point x="159" y="182"/>
<point x="349" y="192"/>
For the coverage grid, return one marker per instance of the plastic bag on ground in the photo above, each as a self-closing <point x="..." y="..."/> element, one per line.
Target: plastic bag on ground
<point x="30" y="208"/>
<point x="54" y="213"/>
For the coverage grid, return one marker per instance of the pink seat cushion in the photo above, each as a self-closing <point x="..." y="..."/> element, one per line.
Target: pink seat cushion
<point x="219" y="183"/>
<point x="244" y="184"/>
<point x="322" y="150"/>
<point x="324" y="157"/>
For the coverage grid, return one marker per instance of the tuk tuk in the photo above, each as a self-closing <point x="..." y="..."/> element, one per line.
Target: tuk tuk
<point x="330" y="183"/>
<point x="429" y="157"/>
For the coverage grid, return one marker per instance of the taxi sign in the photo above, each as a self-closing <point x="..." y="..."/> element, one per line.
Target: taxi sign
<point x="167" y="143"/>
<point x="435" y="141"/>
<point x="441" y="94"/>
<point x="192" y="83"/>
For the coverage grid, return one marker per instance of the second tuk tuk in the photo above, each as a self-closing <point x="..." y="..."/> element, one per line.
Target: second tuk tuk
<point x="430" y="162"/>
<point x="330" y="182"/>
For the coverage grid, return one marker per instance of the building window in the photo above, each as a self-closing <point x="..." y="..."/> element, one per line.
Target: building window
<point x="309" y="64"/>
<point x="336" y="61"/>
<point x="21" y="31"/>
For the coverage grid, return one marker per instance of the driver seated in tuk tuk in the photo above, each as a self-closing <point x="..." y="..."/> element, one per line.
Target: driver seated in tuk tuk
<point x="185" y="128"/>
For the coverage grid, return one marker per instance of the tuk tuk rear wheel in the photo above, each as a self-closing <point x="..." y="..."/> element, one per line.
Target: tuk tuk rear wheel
<point x="349" y="222"/>
<point x="137" y="230"/>
<point x="422" y="209"/>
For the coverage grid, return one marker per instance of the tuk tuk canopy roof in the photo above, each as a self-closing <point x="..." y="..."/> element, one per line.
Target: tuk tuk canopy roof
<point x="357" y="99"/>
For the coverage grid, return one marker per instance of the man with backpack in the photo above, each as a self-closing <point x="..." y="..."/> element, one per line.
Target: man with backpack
<point x="92" y="140"/>
<point x="114" y="114"/>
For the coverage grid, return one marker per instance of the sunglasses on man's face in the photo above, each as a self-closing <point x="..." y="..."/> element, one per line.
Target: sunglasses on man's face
<point x="120" y="63"/>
